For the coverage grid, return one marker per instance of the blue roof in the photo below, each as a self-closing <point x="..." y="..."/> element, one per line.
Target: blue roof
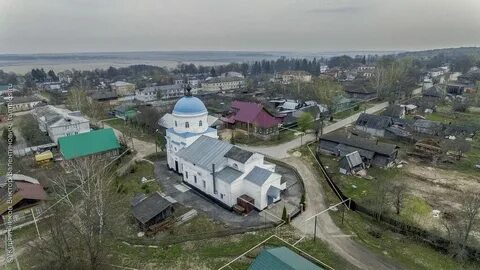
<point x="189" y="105"/>
<point x="281" y="258"/>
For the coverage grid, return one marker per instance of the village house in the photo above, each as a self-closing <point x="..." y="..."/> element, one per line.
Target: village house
<point x="351" y="164"/>
<point x="101" y="142"/>
<point x="428" y="127"/>
<point x="359" y="90"/>
<point x="59" y="123"/>
<point x="123" y="88"/>
<point x="436" y="72"/>
<point x="104" y="97"/>
<point x="295" y="76"/>
<point x="215" y="84"/>
<point x="472" y="77"/>
<point x="125" y="111"/>
<point x="24" y="103"/>
<point x="219" y="170"/>
<point x="434" y="93"/>
<point x="152" y="93"/>
<point x="151" y="211"/>
<point x="372" y="124"/>
<point x="252" y="118"/>
<point x="281" y="258"/>
<point x="28" y="196"/>
<point x="395" y="111"/>
<point x="373" y="153"/>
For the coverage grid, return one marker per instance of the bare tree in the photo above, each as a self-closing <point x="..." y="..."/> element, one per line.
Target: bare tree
<point x="84" y="222"/>
<point x="327" y="92"/>
<point x="460" y="225"/>
<point x="397" y="196"/>
<point x="77" y="99"/>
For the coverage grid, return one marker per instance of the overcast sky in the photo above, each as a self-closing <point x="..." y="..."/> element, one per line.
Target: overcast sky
<point x="48" y="26"/>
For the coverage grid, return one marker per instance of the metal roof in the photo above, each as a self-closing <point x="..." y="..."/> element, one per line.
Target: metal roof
<point x="258" y="175"/>
<point x="358" y="142"/>
<point x="88" y="143"/>
<point x="150" y="207"/>
<point x="206" y="151"/>
<point x="228" y="175"/>
<point x="374" y="121"/>
<point x="238" y="154"/>
<point x="281" y="258"/>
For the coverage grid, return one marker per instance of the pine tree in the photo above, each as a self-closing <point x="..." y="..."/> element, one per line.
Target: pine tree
<point x="284" y="214"/>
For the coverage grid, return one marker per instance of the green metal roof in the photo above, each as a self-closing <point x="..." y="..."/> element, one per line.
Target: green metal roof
<point x="88" y="143"/>
<point x="281" y="258"/>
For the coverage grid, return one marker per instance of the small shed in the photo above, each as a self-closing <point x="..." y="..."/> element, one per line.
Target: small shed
<point x="246" y="202"/>
<point x="351" y="163"/>
<point x="152" y="210"/>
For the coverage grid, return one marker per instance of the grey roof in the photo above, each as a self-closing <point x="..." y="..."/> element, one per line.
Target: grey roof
<point x="206" y="151"/>
<point x="358" y="142"/>
<point x="428" y="124"/>
<point x="150" y="207"/>
<point x="258" y="175"/>
<point x="223" y="79"/>
<point x="345" y="150"/>
<point x="228" y="174"/>
<point x="103" y="95"/>
<point x="374" y="121"/>
<point x="351" y="160"/>
<point x="137" y="198"/>
<point x="238" y="154"/>
<point x="395" y="111"/>
<point x="434" y="91"/>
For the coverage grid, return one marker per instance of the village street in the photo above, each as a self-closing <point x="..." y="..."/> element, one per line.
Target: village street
<point x="281" y="151"/>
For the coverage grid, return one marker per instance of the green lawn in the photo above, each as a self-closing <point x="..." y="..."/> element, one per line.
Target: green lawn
<point x="128" y="130"/>
<point x="130" y="183"/>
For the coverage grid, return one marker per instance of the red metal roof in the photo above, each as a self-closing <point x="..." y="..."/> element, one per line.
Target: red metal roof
<point x="31" y="191"/>
<point x="254" y="113"/>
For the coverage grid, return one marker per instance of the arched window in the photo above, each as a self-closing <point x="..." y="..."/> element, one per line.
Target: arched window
<point x="176" y="123"/>
<point x="200" y="123"/>
<point x="187" y="125"/>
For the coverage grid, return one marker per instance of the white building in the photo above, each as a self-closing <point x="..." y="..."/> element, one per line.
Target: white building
<point x="152" y="93"/>
<point x="296" y="76"/>
<point x="58" y="122"/>
<point x="218" y="169"/>
<point x="222" y="83"/>
<point x="123" y="88"/>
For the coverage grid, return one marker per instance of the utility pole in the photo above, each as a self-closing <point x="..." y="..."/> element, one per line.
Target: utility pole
<point x="36" y="225"/>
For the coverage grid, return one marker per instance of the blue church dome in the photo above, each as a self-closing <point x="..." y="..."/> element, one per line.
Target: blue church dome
<point x="189" y="105"/>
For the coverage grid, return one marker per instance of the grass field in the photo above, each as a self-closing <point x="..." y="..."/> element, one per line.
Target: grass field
<point x="407" y="252"/>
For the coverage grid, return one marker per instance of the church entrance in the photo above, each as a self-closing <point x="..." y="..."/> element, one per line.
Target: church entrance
<point x="176" y="166"/>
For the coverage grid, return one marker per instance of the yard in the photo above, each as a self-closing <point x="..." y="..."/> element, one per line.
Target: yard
<point x="130" y="130"/>
<point x="130" y="183"/>
<point x="406" y="251"/>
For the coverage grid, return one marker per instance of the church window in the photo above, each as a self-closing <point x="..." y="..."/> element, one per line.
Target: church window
<point x="187" y="125"/>
<point x="186" y="174"/>
<point x="176" y="123"/>
<point x="195" y="179"/>
<point x="200" y="123"/>
<point x="204" y="184"/>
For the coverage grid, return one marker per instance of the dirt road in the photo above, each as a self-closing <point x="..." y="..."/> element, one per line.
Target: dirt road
<point x="327" y="230"/>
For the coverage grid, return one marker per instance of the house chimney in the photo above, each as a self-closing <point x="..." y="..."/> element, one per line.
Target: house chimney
<point x="214" y="181"/>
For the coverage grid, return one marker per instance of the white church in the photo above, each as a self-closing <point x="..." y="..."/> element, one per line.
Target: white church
<point x="219" y="169"/>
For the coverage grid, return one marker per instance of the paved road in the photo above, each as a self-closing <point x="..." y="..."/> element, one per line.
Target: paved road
<point x="327" y="230"/>
<point x="281" y="151"/>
